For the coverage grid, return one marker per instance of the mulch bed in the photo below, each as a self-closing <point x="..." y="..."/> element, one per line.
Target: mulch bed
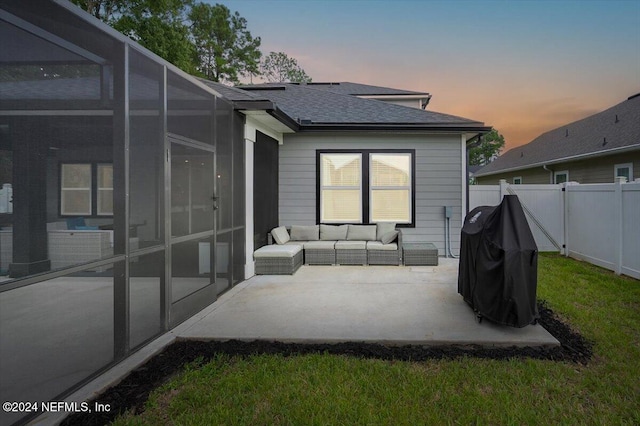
<point x="132" y="392"/>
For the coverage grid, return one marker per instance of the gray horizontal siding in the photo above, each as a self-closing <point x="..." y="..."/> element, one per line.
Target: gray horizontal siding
<point x="438" y="179"/>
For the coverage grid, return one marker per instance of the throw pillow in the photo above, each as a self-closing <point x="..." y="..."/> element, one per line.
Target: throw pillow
<point x="305" y="233"/>
<point x="333" y="232"/>
<point x="389" y="237"/>
<point x="361" y="233"/>
<point x="280" y="235"/>
<point x="384" y="228"/>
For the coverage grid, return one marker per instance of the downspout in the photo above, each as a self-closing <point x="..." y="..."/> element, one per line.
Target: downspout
<point x="544" y="166"/>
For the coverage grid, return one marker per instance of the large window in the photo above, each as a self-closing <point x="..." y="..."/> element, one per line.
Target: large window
<point x="86" y="189"/>
<point x="366" y="186"/>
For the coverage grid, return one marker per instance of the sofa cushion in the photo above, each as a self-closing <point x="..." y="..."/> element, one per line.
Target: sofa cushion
<point x="377" y="245"/>
<point x="309" y="233"/>
<point x="319" y="245"/>
<point x="389" y="237"/>
<point x="280" y="235"/>
<point x="333" y="232"/>
<point x="351" y="245"/>
<point x="361" y="233"/>
<point x="384" y="228"/>
<point x="283" y="251"/>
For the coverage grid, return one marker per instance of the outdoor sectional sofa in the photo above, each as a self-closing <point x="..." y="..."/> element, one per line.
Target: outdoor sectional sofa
<point x="379" y="244"/>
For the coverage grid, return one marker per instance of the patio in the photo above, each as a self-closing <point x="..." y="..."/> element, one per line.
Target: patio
<point x="392" y="305"/>
<point x="376" y="304"/>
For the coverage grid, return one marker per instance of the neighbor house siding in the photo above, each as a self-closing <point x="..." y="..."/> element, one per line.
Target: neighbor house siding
<point x="437" y="170"/>
<point x="592" y="170"/>
<point x="535" y="175"/>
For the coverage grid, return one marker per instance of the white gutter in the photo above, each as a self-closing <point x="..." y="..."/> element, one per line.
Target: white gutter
<point x="563" y="159"/>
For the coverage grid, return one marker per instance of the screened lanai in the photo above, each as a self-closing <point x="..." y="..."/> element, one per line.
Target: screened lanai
<point x="121" y="200"/>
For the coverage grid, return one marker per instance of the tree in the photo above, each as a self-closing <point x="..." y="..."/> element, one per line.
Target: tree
<point x="490" y="147"/>
<point x="159" y="25"/>
<point x="278" y="67"/>
<point x="101" y="9"/>
<point x="225" y="49"/>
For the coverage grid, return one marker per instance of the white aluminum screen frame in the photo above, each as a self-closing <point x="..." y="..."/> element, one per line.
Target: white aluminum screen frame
<point x="324" y="187"/>
<point x="408" y="187"/>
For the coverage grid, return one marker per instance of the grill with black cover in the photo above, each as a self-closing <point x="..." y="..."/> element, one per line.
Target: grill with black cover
<point x="498" y="270"/>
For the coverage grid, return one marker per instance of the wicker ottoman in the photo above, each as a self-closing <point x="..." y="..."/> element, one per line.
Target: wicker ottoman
<point x="319" y="253"/>
<point x="351" y="252"/>
<point x="420" y="254"/>
<point x="278" y="259"/>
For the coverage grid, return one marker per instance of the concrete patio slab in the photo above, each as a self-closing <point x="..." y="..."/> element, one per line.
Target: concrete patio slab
<point x="375" y="304"/>
<point x="398" y="305"/>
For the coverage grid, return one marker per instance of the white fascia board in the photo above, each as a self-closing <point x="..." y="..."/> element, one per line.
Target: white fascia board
<point x="268" y="124"/>
<point x="254" y="124"/>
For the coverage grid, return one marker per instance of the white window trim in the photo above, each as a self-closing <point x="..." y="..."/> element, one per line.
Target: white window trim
<point x="372" y="187"/>
<point x="560" y="172"/>
<point x="323" y="188"/>
<point x="623" y="166"/>
<point x="519" y="178"/>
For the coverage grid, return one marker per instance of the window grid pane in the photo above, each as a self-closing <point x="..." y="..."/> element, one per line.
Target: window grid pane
<point x="76" y="176"/>
<point x="341" y="170"/>
<point x="391" y="205"/>
<point x="341" y="205"/>
<point x="390" y="170"/>
<point x="76" y="202"/>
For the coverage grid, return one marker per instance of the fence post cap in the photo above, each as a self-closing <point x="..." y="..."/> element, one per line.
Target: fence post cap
<point x="621" y="179"/>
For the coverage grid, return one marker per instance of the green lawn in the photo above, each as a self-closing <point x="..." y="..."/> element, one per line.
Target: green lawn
<point x="331" y="389"/>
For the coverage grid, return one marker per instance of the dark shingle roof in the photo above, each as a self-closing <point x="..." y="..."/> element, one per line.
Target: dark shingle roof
<point x="312" y="106"/>
<point x="357" y="89"/>
<point x="603" y="133"/>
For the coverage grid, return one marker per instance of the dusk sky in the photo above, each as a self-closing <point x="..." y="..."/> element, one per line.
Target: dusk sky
<point x="523" y="67"/>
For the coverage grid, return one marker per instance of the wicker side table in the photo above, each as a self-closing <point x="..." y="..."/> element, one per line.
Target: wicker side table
<point x="420" y="254"/>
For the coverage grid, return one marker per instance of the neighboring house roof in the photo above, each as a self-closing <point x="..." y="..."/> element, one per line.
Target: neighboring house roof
<point x="357" y="89"/>
<point x="319" y="109"/>
<point x="616" y="129"/>
<point x="472" y="169"/>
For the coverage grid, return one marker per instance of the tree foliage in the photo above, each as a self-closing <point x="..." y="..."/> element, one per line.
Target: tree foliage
<point x="198" y="38"/>
<point x="159" y="25"/>
<point x="490" y="147"/>
<point x="101" y="9"/>
<point x="278" y="67"/>
<point x="225" y="48"/>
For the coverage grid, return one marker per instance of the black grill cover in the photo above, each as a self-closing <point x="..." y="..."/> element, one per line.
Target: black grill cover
<point x="498" y="272"/>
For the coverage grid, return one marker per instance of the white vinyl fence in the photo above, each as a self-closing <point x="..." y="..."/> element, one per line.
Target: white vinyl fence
<point x="598" y="223"/>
